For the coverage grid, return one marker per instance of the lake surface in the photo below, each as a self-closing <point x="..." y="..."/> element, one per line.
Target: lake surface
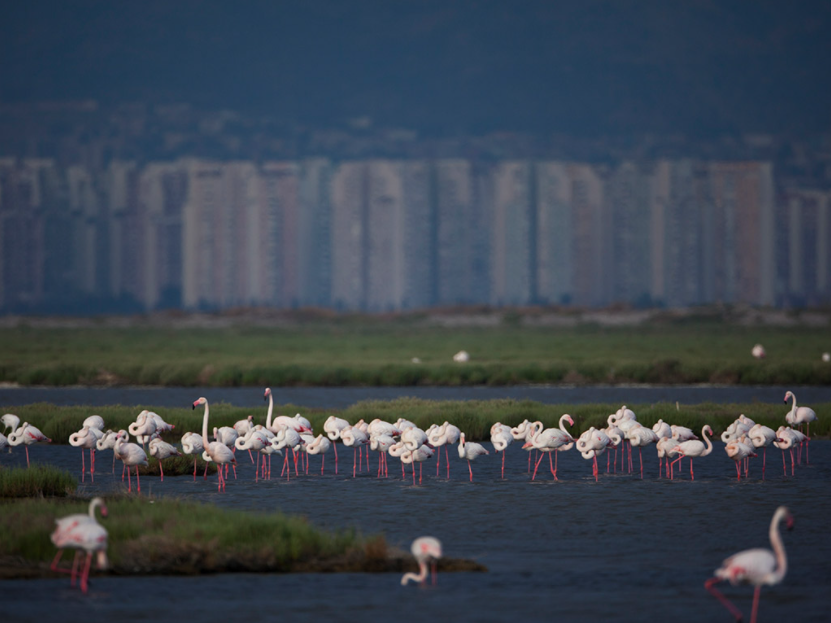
<point x="621" y="549"/>
<point x="342" y="397"/>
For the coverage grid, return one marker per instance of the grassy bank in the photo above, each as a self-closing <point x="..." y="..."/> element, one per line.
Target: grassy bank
<point x="381" y="353"/>
<point x="474" y="417"/>
<point x="36" y="481"/>
<point x="164" y="536"/>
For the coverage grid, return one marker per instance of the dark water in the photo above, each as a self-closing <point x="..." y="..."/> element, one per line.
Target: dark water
<point x="342" y="397"/>
<point x="621" y="549"/>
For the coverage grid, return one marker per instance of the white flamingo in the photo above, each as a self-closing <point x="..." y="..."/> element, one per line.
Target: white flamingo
<point x="143" y="427"/>
<point x="192" y="444"/>
<point x="381" y="444"/>
<point x="333" y="427"/>
<point x="469" y="452"/>
<point x="354" y="438"/>
<point x="798" y="416"/>
<point x="319" y="445"/>
<point x="86" y="438"/>
<point x="445" y="435"/>
<point x="426" y="549"/>
<point x="639" y="437"/>
<point x="162" y="450"/>
<point x="27" y="434"/>
<point x="761" y="437"/>
<point x="132" y="455"/>
<point x="10" y="421"/>
<point x="739" y="450"/>
<point x="694" y="448"/>
<point x="501" y="438"/>
<point x="82" y="532"/>
<point x="667" y="450"/>
<point x="94" y="421"/>
<point x="758" y="566"/>
<point x="218" y="452"/>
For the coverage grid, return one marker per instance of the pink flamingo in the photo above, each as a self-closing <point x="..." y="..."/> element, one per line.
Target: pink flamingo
<point x="218" y="451"/>
<point x="798" y="416"/>
<point x="425" y="549"/>
<point x="333" y="426"/>
<point x="87" y="437"/>
<point x="738" y="450"/>
<point x="445" y="435"/>
<point x="192" y="444"/>
<point x="694" y="448"/>
<point x="131" y="455"/>
<point x="82" y="532"/>
<point x="758" y="567"/>
<point x="469" y="452"/>
<point x="501" y="438"/>
<point x="27" y="435"/>
<point x="163" y="450"/>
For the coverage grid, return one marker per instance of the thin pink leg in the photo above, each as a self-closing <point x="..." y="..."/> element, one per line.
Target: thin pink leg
<point x="755" y="610"/>
<point x="323" y="461"/>
<point x="252" y="456"/>
<point x="419" y="473"/>
<point x="360" y="459"/>
<point x="447" y="461"/>
<point x="710" y="586"/>
<point x="85" y="575"/>
<point x="354" y="461"/>
<point x="536" y="466"/>
<point x="470" y="469"/>
<point x="335" y="446"/>
<point x="640" y="457"/>
<point x="438" y="462"/>
<point x="194" y="467"/>
<point x="503" y="464"/>
<point x="692" y="475"/>
<point x="129" y="482"/>
<point x="551" y="466"/>
<point x="83" y="467"/>
<point x="138" y="482"/>
<point x="413" y="466"/>
<point x="75" y="568"/>
<point x="27" y="455"/>
<point x="161" y="469"/>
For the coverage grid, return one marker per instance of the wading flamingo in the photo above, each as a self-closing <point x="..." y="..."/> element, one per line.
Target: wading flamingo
<point x="425" y="549"/>
<point x="761" y="437"/>
<point x="86" y="438"/>
<point x="192" y="444"/>
<point x="356" y="439"/>
<point x="27" y="435"/>
<point x="798" y="416"/>
<point x="445" y="435"/>
<point x="758" y="567"/>
<point x="143" y="427"/>
<point x="694" y="448"/>
<point x="107" y="442"/>
<point x="94" y="421"/>
<point x="547" y="441"/>
<point x="162" y="450"/>
<point x="132" y="455"/>
<point x="501" y="438"/>
<point x="469" y="452"/>
<point x="82" y="532"/>
<point x="217" y="451"/>
<point x="320" y="445"/>
<point x="333" y="427"/>
<point x="739" y="450"/>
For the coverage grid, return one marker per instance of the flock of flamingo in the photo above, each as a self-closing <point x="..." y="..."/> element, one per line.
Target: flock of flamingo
<point x="411" y="445"/>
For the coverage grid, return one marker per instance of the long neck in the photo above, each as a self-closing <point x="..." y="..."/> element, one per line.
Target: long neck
<point x="93" y="504"/>
<point x="270" y="410"/>
<point x="422" y="573"/>
<point x="707" y="442"/>
<point x="778" y="547"/>
<point x="563" y="424"/>
<point x="205" y="441"/>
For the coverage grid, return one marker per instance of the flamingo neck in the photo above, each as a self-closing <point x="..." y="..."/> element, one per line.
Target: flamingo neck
<point x="707" y="441"/>
<point x="778" y="547"/>
<point x="270" y="411"/>
<point x="563" y="425"/>
<point x="205" y="441"/>
<point x="422" y="574"/>
<point x="93" y="504"/>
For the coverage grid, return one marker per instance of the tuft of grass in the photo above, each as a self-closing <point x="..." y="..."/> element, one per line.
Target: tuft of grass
<point x="36" y="481"/>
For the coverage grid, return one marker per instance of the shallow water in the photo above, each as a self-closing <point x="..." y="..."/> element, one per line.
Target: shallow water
<point x="621" y="549"/>
<point x="342" y="397"/>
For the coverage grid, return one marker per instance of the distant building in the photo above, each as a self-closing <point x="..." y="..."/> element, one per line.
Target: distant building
<point x="349" y="233"/>
<point x="555" y="254"/>
<point x="511" y="243"/>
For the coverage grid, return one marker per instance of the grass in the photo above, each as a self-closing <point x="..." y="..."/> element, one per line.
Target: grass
<point x="36" y="481"/>
<point x="375" y="352"/>
<point x="169" y="536"/>
<point x="474" y="417"/>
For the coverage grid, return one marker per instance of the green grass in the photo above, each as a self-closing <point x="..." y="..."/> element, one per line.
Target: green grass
<point x="378" y="352"/>
<point x="172" y="536"/>
<point x="36" y="481"/>
<point x="474" y="417"/>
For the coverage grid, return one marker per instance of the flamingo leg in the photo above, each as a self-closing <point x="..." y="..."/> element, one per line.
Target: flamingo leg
<point x="83" y="467"/>
<point x="194" y="467"/>
<point x="252" y="456"/>
<point x="536" y="466"/>
<point x="784" y="469"/>
<point x="256" y="468"/>
<point x="205" y="475"/>
<point x="335" y="446"/>
<point x="503" y="464"/>
<point x="738" y="472"/>
<point x="447" y="461"/>
<point x="129" y="482"/>
<point x="85" y="574"/>
<point x="551" y="466"/>
<point x="27" y="455"/>
<point x="138" y="482"/>
<point x="640" y="457"/>
<point x="360" y="459"/>
<point x="556" y="460"/>
<point x="470" y="469"/>
<point x="55" y="560"/>
<point x="367" y="460"/>
<point x="354" y="460"/>
<point x="808" y="443"/>
<point x="92" y="464"/>
<point x="413" y="466"/>
<point x="75" y="568"/>
<point x="607" y="462"/>
<point x="755" y="610"/>
<point x="438" y="462"/>
<point x="323" y="462"/>
<point x="692" y="475"/>
<point x="419" y="473"/>
<point x="161" y="469"/>
<point x="710" y="586"/>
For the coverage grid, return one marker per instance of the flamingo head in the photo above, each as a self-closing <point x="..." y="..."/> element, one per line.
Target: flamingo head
<point x="709" y="430"/>
<point x="570" y="421"/>
<point x="788" y="394"/>
<point x="200" y="401"/>
<point x="103" y="511"/>
<point x="789" y="521"/>
<point x="267" y="393"/>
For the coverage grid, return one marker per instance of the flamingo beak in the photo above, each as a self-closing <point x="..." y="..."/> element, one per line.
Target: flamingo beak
<point x="789" y="523"/>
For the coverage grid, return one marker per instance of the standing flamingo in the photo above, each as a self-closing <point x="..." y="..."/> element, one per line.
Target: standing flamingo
<point x="739" y="450"/>
<point x="425" y="549"/>
<point x="132" y="455"/>
<point x="758" y="567"/>
<point x="355" y="438"/>
<point x="640" y="436"/>
<point x="10" y="420"/>
<point x="798" y="416"/>
<point x="761" y="437"/>
<point x="501" y="438"/>
<point x="469" y="452"/>
<point x="320" y="445"/>
<point x="333" y="427"/>
<point x="217" y="451"/>
<point x="143" y="427"/>
<point x="87" y="438"/>
<point x="107" y="442"/>
<point x="163" y="450"/>
<point x="694" y="448"/>
<point x="27" y="435"/>
<point x="445" y="435"/>
<point x="192" y="444"/>
<point x="82" y="532"/>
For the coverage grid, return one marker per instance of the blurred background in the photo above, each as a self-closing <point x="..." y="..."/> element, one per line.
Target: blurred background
<point x="394" y="155"/>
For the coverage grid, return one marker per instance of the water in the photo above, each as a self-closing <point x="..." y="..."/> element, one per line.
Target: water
<point x="342" y="397"/>
<point x="571" y="550"/>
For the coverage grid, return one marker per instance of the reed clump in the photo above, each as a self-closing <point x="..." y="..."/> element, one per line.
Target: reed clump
<point x="36" y="481"/>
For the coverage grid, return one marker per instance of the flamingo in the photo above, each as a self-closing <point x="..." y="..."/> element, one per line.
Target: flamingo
<point x="354" y="438"/>
<point x="10" y="420"/>
<point x="694" y="448"/>
<point x="413" y="437"/>
<point x="217" y="451"/>
<point x="522" y="432"/>
<point x="244" y="426"/>
<point x="640" y="436"/>
<point x="501" y="438"/>
<point x="662" y="429"/>
<point x="82" y="532"/>
<point x="667" y="450"/>
<point x="94" y="421"/>
<point x="132" y="456"/>
<point x="192" y="444"/>
<point x="287" y="438"/>
<point x="761" y="437"/>
<point x="86" y="438"/>
<point x="381" y="444"/>
<point x="163" y="450"/>
<point x="254" y="440"/>
<point x="445" y="435"/>
<point x="27" y="435"/>
<point x="411" y="457"/>
<point x="757" y="566"/>
<point x="548" y="440"/>
<point x="786" y="439"/>
<point x="798" y="416"/>
<point x="107" y="442"/>
<point x="469" y="452"/>
<point x="320" y="445"/>
<point x="143" y="427"/>
<point x="425" y="549"/>
<point x="594" y="442"/>
<point x="333" y="427"/>
<point x="738" y="450"/>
